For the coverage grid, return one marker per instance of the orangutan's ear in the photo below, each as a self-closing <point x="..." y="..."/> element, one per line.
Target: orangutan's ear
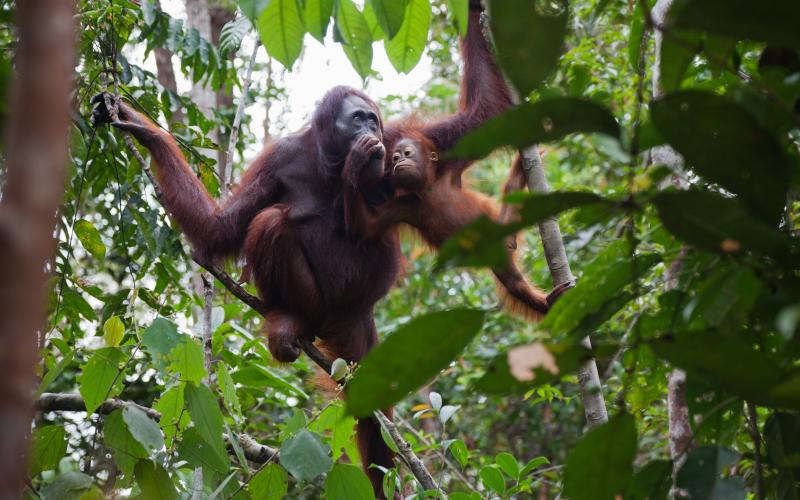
<point x="434" y="156"/>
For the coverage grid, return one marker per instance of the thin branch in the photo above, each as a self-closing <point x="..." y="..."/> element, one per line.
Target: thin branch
<point x="411" y="460"/>
<point x="51" y="401"/>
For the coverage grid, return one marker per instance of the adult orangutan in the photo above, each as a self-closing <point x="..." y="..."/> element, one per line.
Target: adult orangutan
<point x="287" y="216"/>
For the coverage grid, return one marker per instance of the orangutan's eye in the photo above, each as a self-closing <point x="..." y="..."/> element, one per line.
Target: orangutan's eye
<point x="395" y="157"/>
<point x="408" y="152"/>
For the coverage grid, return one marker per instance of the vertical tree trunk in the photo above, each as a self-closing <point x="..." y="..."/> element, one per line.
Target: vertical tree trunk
<point x="36" y="158"/>
<point x="589" y="380"/>
<point x="680" y="429"/>
<point x="166" y="74"/>
<point x="223" y="97"/>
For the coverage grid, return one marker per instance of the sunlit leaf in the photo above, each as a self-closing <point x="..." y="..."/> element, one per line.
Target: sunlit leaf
<point x="348" y="482"/>
<point x="271" y="483"/>
<point x="281" y="28"/>
<point x="90" y="238"/>
<point x="48" y="446"/>
<point x="405" y="49"/>
<point x="390" y="15"/>
<point x="305" y="456"/>
<point x="101" y="377"/>
<point x="113" y="331"/>
<point x="317" y="15"/>
<point x="355" y="36"/>
<point x="154" y="481"/>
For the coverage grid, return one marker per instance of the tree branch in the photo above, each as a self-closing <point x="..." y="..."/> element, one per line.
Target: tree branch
<point x="52" y="401"/>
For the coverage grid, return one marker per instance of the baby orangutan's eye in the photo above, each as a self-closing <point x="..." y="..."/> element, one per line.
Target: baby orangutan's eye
<point x="395" y="157"/>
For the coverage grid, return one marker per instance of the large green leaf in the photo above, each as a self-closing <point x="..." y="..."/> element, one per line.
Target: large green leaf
<point x="531" y="123"/>
<point x="198" y="453"/>
<point x="405" y="49"/>
<point x="348" y="482"/>
<point x="271" y="483"/>
<point x="252" y="8"/>
<point x="305" y="456"/>
<point x="652" y="482"/>
<point x="160" y="338"/>
<point x="89" y="237"/>
<point x="676" y="56"/>
<point x="713" y="222"/>
<point x="171" y="406"/>
<point x="48" y="446"/>
<point x="281" y="28"/>
<point x="354" y="33"/>
<point x="711" y="356"/>
<point x="113" y="331"/>
<point x="529" y="43"/>
<point x="398" y="366"/>
<point x="187" y="360"/>
<point x="773" y="21"/>
<point x="481" y="243"/>
<point x="127" y="450"/>
<point x="228" y="389"/>
<point x="335" y="422"/>
<point x="390" y="15"/>
<point x="602" y="281"/>
<point x="601" y="464"/>
<point x="205" y="413"/>
<point x="68" y="486"/>
<point x="459" y="11"/>
<point x="154" y="481"/>
<point x="701" y="475"/>
<point x="143" y="429"/>
<point x="317" y="15"/>
<point x="725" y="144"/>
<point x="101" y="377"/>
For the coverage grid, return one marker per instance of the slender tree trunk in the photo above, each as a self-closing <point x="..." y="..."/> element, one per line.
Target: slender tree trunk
<point x="166" y="74"/>
<point x="589" y="380"/>
<point x="36" y="158"/>
<point x="223" y="97"/>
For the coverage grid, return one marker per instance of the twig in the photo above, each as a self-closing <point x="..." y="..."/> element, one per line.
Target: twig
<point x="237" y="119"/>
<point x="414" y="464"/>
<point x="256" y="452"/>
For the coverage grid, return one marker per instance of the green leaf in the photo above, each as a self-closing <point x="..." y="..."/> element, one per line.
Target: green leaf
<point x="126" y="449"/>
<point x="459" y="451"/>
<point x="187" y="360"/>
<point x="652" y="482"/>
<point x="340" y="426"/>
<point x="533" y="464"/>
<point x="375" y="31"/>
<point x="719" y="224"/>
<point x="160" y="338"/>
<point x="635" y="38"/>
<point x="198" y="453"/>
<point x="173" y="418"/>
<point x="154" y="481"/>
<point x="601" y="464"/>
<point x="228" y="389"/>
<point x="391" y="15"/>
<point x="782" y="437"/>
<point x="348" y="482"/>
<point x="271" y="483"/>
<point x="232" y="34"/>
<point x="493" y="478"/>
<point x="481" y="242"/>
<point x="261" y="376"/>
<point x="101" y="377"/>
<point x="549" y="363"/>
<point x="317" y="14"/>
<point x="772" y="21"/>
<point x="676" y="58"/>
<point x="281" y="28"/>
<point x="143" y="429"/>
<point x="397" y="366"/>
<point x="355" y="36"/>
<point x="252" y="8"/>
<point x="701" y="474"/>
<point x="459" y="12"/>
<point x="508" y="464"/>
<point x="89" y="237"/>
<point x="67" y="486"/>
<point x="207" y="418"/>
<point x="53" y="374"/>
<point x="725" y="144"/>
<point x="48" y="447"/>
<point x="305" y="456"/>
<point x="405" y="49"/>
<point x="113" y="331"/>
<point x="710" y="356"/>
<point x="531" y="123"/>
<point x="603" y="280"/>
<point x="529" y="43"/>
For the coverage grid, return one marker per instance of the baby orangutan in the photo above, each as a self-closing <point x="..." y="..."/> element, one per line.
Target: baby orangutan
<point x="430" y="200"/>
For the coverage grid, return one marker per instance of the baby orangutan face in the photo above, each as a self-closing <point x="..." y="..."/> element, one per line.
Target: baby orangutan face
<point x="412" y="165"/>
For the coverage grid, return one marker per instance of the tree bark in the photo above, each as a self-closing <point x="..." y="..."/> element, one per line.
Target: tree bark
<point x="36" y="148"/>
<point x="594" y="405"/>
<point x="165" y="72"/>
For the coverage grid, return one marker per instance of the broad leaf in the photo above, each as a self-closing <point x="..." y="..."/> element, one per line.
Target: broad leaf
<point x="492" y="478"/>
<point x="355" y="36"/>
<point x="68" y="485"/>
<point x="701" y="475"/>
<point x="529" y="43"/>
<point x="339" y="427"/>
<point x="198" y="453"/>
<point x="252" y="8"/>
<point x="713" y="222"/>
<point x="113" y="331"/>
<point x="305" y="456"/>
<point x="317" y="15"/>
<point x="675" y="59"/>
<point x="187" y="360"/>
<point x="405" y="49"/>
<point x="101" y="377"/>
<point x="531" y="123"/>
<point x="773" y="21"/>
<point x="127" y="450"/>
<point x="207" y="418"/>
<point x="154" y="481"/>
<point x="160" y="338"/>
<point x="508" y="464"/>
<point x="171" y="406"/>
<point x="782" y="437"/>
<point x="725" y="144"/>
<point x="348" y="482"/>
<point x="281" y="30"/>
<point x="89" y="237"/>
<point x="397" y="366"/>
<point x="271" y="483"/>
<point x="459" y="11"/>
<point x="48" y="446"/>
<point x="390" y="15"/>
<point x="652" y="482"/>
<point x="228" y="389"/>
<point x="143" y="429"/>
<point x="600" y="466"/>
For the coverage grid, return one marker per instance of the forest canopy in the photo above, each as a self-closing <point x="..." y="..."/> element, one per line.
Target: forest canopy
<point x="658" y="173"/>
